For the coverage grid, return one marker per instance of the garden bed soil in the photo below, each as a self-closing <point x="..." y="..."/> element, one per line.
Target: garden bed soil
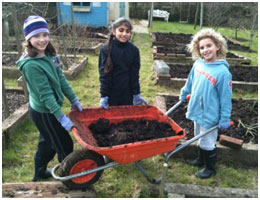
<point x="129" y="131"/>
<point x="244" y="113"/>
<point x="170" y="39"/>
<point x="239" y="73"/>
<point x="15" y="100"/>
<point x="182" y="50"/>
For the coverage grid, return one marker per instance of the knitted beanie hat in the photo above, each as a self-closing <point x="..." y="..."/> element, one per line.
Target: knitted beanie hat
<point x="34" y="25"/>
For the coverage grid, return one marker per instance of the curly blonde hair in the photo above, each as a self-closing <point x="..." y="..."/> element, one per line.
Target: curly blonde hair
<point x="218" y="39"/>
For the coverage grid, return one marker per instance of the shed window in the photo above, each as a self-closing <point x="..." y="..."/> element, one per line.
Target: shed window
<point x="81" y="6"/>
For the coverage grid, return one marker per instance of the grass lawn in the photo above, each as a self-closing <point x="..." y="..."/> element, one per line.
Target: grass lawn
<point x="124" y="180"/>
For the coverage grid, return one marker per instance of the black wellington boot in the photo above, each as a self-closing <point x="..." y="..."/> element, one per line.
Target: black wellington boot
<point x="199" y="161"/>
<point x="40" y="171"/>
<point x="210" y="162"/>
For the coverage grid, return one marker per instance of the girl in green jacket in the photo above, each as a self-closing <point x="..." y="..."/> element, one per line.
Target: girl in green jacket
<point x="47" y="87"/>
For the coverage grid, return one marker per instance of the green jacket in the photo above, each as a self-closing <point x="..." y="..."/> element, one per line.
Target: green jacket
<point x="46" y="84"/>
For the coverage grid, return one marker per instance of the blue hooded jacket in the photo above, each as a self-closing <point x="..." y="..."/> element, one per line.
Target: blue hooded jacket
<point x="210" y="86"/>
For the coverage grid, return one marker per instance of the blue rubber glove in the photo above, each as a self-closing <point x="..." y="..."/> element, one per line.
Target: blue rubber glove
<point x="75" y="104"/>
<point x="65" y="122"/>
<point x="138" y="100"/>
<point x="183" y="99"/>
<point x="224" y="126"/>
<point x="104" y="102"/>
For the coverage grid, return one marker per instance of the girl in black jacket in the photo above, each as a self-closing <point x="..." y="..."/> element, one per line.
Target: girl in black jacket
<point x="119" y="65"/>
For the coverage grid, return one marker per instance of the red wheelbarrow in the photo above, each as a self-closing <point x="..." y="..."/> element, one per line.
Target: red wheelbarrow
<point x="84" y="167"/>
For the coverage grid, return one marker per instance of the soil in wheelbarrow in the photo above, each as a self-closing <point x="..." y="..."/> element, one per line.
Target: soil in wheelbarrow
<point x="239" y="73"/>
<point x="244" y="114"/>
<point x="129" y="131"/>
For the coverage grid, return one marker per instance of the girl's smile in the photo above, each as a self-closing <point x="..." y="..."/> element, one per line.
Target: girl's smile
<point x="208" y="50"/>
<point x="122" y="33"/>
<point x="40" y="42"/>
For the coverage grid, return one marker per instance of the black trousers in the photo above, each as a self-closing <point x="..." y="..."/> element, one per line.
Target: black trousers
<point x="53" y="139"/>
<point x="125" y="98"/>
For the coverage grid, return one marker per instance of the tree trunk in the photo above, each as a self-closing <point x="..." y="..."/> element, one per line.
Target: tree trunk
<point x="196" y="15"/>
<point x="16" y="29"/>
<point x="252" y="33"/>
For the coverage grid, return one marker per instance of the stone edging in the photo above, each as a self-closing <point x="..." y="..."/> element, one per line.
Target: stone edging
<point x="197" y="191"/>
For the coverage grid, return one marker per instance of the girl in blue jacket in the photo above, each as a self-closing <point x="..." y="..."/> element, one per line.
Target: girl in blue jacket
<point x="119" y="65"/>
<point x="210" y="85"/>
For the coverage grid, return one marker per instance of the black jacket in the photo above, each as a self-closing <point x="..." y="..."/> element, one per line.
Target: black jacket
<point x="122" y="82"/>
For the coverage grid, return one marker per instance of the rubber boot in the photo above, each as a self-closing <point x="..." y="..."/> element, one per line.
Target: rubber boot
<point x="210" y="158"/>
<point x="40" y="171"/>
<point x="199" y="161"/>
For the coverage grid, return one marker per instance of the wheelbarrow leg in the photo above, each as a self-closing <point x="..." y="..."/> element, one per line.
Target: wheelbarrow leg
<point x="165" y="165"/>
<point x="151" y="180"/>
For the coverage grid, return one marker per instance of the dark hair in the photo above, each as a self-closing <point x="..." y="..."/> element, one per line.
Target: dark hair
<point x="120" y="21"/>
<point x="32" y="51"/>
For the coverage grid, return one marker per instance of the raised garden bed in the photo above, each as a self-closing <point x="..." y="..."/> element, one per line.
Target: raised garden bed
<point x="239" y="73"/>
<point x="18" y="108"/>
<point x="180" y="39"/>
<point x="243" y="110"/>
<point x="244" y="77"/>
<point x="15" y="100"/>
<point x="180" y="55"/>
<point x="10" y="70"/>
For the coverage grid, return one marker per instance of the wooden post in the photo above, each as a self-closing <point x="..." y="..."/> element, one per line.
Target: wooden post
<point x="201" y="15"/>
<point x="151" y="17"/>
<point x="25" y="91"/>
<point x="73" y="30"/>
<point x="51" y="189"/>
<point x="4" y="97"/>
<point x="65" y="61"/>
<point x="5" y="33"/>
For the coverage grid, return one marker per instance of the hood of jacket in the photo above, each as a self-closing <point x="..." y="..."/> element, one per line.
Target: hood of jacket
<point x="219" y="62"/>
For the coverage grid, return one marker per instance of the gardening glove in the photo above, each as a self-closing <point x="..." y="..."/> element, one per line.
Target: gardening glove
<point x="138" y="100"/>
<point x="75" y="104"/>
<point x="183" y="99"/>
<point x="65" y="122"/>
<point x="104" y="102"/>
<point x="224" y="126"/>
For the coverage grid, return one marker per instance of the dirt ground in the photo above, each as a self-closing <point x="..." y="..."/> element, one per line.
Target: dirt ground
<point x="244" y="113"/>
<point x="129" y="131"/>
<point x="239" y="73"/>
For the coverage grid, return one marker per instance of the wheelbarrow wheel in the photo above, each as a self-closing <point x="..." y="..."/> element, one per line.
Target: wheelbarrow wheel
<point x="79" y="161"/>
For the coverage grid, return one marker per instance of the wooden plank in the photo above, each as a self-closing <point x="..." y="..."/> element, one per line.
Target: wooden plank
<point x="44" y="190"/>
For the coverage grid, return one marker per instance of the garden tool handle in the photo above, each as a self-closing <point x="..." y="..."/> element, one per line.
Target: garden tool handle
<point x="176" y="105"/>
<point x="195" y="138"/>
<point x="165" y="165"/>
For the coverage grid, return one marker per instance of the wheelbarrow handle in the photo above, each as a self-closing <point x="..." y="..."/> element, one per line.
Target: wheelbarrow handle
<point x="176" y="106"/>
<point x="192" y="140"/>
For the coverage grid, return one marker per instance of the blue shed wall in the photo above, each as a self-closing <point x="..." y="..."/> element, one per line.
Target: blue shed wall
<point x="97" y="17"/>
